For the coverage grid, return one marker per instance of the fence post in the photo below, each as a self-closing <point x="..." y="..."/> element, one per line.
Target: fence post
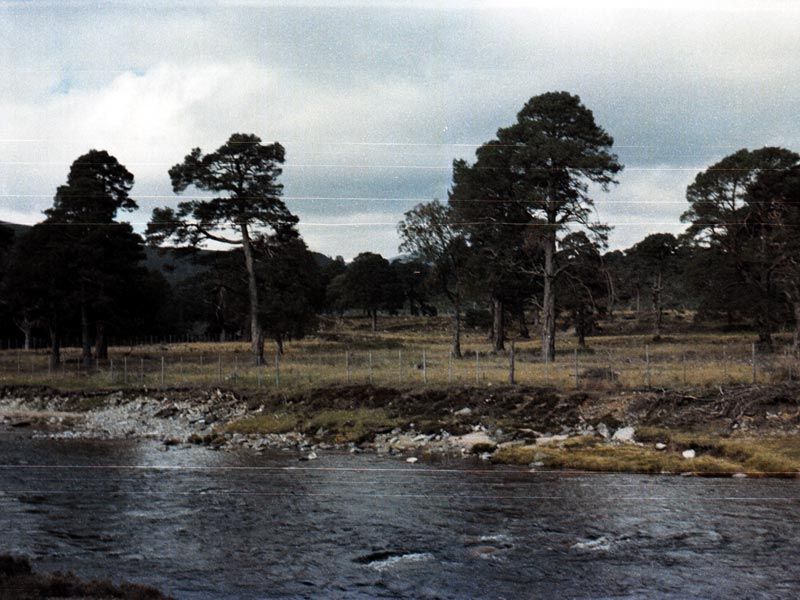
<point x="577" y="376"/>
<point x="647" y="365"/>
<point x="511" y="365"/>
<point x="110" y="370"/>
<point x="424" y="368"/>
<point x="753" y="352"/>
<point x="162" y="370"/>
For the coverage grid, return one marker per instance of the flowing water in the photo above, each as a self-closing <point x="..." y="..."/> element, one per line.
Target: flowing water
<point x="203" y="524"/>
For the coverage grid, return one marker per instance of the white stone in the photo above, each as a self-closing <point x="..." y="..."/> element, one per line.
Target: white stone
<point x="660" y="446"/>
<point x="412" y="459"/>
<point x="466" y="411"/>
<point x="602" y="429"/>
<point x="688" y="454"/>
<point x="312" y="456"/>
<point x="624" y="434"/>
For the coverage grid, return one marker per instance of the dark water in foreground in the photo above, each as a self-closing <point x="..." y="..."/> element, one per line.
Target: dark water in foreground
<point x="242" y="526"/>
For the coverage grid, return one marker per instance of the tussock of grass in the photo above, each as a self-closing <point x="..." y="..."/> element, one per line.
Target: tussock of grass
<point x="264" y="424"/>
<point x="777" y="456"/>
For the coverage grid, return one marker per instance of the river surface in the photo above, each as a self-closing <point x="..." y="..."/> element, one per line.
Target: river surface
<point x="203" y="524"/>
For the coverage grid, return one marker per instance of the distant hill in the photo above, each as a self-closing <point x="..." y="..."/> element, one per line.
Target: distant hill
<point x="176" y="264"/>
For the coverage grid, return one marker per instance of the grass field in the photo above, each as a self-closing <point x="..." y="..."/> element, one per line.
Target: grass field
<point x="414" y="351"/>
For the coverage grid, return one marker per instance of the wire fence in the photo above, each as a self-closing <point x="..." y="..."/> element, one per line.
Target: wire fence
<point x="182" y="365"/>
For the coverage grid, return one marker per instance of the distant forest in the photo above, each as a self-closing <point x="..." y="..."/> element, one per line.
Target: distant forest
<point x="514" y="249"/>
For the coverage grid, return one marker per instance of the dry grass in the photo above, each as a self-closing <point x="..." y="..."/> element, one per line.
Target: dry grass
<point x="348" y="351"/>
<point x="777" y="456"/>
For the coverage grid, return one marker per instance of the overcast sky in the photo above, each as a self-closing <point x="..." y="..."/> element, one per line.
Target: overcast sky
<point x="373" y="101"/>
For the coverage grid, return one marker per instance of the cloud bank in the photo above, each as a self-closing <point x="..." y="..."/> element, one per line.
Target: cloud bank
<point x="374" y="103"/>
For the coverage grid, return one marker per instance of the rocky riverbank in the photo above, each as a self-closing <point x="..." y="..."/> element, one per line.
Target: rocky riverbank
<point x="709" y="434"/>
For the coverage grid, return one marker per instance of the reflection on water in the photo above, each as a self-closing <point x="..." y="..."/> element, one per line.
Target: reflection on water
<point x="204" y="524"/>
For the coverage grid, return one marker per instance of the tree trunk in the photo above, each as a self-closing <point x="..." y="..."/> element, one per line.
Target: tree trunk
<point x="796" y="341"/>
<point x="279" y="344"/>
<point x="657" y="306"/>
<point x="490" y="337"/>
<point x="580" y="328"/>
<point x="638" y="301"/>
<point x="524" y="332"/>
<point x="86" y="341"/>
<point x="256" y="333"/>
<point x="456" y="349"/>
<point x="549" y="299"/>
<point x="55" y="346"/>
<point x="100" y="342"/>
<point x="498" y="326"/>
<point x="26" y="327"/>
<point x="374" y="317"/>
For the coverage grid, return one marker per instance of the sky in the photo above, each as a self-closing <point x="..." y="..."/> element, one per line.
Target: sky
<point x="373" y="101"/>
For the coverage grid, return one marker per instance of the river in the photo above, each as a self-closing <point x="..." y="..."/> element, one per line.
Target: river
<point x="203" y="524"/>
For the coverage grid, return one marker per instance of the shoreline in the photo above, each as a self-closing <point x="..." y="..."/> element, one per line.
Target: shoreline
<point x="702" y="433"/>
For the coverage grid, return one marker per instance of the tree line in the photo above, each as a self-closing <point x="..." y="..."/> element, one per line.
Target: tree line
<point x="516" y="244"/>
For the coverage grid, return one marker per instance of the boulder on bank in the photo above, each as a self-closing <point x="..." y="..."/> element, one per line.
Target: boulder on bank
<point x="624" y="434"/>
<point x="475" y="442"/>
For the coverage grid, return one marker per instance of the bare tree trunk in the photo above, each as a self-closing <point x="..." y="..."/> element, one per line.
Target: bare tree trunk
<point x="256" y="333"/>
<point x="374" y="316"/>
<point x="498" y="325"/>
<point x="796" y="341"/>
<point x="26" y="327"/>
<point x="55" y="346"/>
<point x="86" y="341"/>
<point x="524" y="332"/>
<point x="580" y="328"/>
<point x="549" y="299"/>
<point x="100" y="342"/>
<point x="456" y="349"/>
<point x="657" y="306"/>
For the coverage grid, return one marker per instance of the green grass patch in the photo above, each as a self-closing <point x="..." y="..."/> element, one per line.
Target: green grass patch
<point x="264" y="424"/>
<point x="351" y="425"/>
